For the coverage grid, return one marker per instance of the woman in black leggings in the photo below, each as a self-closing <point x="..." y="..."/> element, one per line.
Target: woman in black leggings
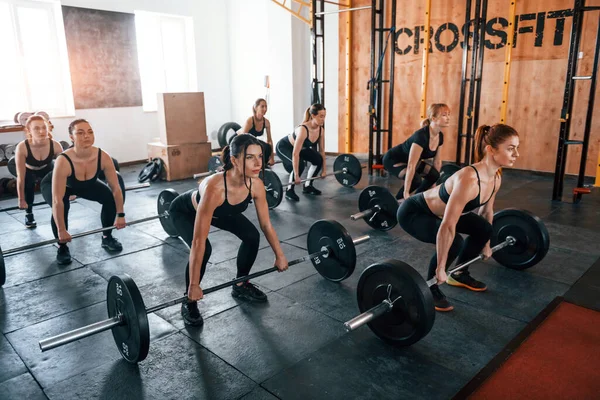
<point x="76" y="173"/>
<point x="220" y="201"/>
<point x="34" y="159"/>
<point x="406" y="161"/>
<point x="439" y="215"/>
<point x="300" y="147"/>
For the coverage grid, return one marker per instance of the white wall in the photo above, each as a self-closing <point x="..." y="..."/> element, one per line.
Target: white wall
<point x="331" y="79"/>
<point x="124" y="132"/>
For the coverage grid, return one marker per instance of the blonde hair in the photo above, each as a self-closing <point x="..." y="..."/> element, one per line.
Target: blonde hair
<point x="37" y="118"/>
<point x="312" y="110"/>
<point x="433" y="111"/>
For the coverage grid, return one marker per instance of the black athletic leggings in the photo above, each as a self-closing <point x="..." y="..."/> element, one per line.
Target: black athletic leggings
<point x="183" y="216"/>
<point x="98" y="191"/>
<point x="31" y="177"/>
<point x="425" y="175"/>
<point x="285" y="151"/>
<point x="415" y="217"/>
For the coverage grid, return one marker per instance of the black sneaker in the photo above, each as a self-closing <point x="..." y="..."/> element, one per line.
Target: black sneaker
<point x="290" y="194"/>
<point x="310" y="189"/>
<point x="247" y="291"/>
<point x="63" y="255"/>
<point x="111" y="244"/>
<point x="400" y="194"/>
<point x="464" y="279"/>
<point x="190" y="313"/>
<point x="30" y="221"/>
<point x="439" y="300"/>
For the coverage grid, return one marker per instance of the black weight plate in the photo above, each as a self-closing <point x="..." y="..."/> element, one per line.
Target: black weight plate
<point x="165" y="198"/>
<point x="158" y="170"/>
<point x="133" y="336"/>
<point x="65" y="145"/>
<point x="2" y="153"/>
<point x="341" y="260"/>
<point x="2" y="268"/>
<point x="353" y="169"/>
<point x="9" y="151"/>
<point x="376" y="195"/>
<point x="215" y="164"/>
<point x="273" y="187"/>
<point x="446" y="172"/>
<point x="146" y="172"/>
<point x="226" y="132"/>
<point x="412" y="316"/>
<point x="12" y="166"/>
<point x="533" y="239"/>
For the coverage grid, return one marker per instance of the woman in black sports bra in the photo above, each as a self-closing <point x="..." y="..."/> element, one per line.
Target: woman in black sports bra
<point x="34" y="158"/>
<point x="439" y="215"/>
<point x="257" y="125"/>
<point x="406" y="160"/>
<point x="76" y="173"/>
<point x="301" y="146"/>
<point x="220" y="201"/>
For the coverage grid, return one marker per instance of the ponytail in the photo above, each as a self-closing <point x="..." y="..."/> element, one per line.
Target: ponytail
<point x="312" y="110"/>
<point x="226" y="158"/>
<point x="425" y="122"/>
<point x="480" y="142"/>
<point x="491" y="136"/>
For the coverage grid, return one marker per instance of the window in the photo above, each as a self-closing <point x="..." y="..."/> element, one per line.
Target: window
<point x="34" y="72"/>
<point x="166" y="55"/>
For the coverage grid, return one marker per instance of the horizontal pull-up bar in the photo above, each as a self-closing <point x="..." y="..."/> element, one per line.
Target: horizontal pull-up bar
<point x="340" y="11"/>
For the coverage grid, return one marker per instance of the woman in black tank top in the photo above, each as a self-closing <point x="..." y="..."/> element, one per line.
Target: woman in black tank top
<point x="34" y="159"/>
<point x="220" y="201"/>
<point x="440" y="215"/>
<point x="257" y="125"/>
<point x="76" y="173"/>
<point x="406" y="160"/>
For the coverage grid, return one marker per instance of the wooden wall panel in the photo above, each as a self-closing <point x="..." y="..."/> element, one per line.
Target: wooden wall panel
<point x="537" y="83"/>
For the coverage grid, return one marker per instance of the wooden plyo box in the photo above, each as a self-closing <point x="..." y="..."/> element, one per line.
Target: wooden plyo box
<point x="181" y="118"/>
<point x="181" y="161"/>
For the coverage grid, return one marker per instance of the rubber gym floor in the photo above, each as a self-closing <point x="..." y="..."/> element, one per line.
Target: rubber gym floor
<point x="294" y="346"/>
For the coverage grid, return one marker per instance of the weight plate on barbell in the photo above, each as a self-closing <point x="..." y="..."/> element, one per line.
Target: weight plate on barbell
<point x="413" y="314"/>
<point x="533" y="239"/>
<point x="2" y="268"/>
<point x="341" y="260"/>
<point x="12" y="166"/>
<point x="165" y="198"/>
<point x="147" y="172"/>
<point x="64" y="144"/>
<point x="273" y="188"/>
<point x="132" y="337"/>
<point x="353" y="169"/>
<point x="376" y="195"/>
<point x="446" y="172"/>
<point x="215" y="164"/>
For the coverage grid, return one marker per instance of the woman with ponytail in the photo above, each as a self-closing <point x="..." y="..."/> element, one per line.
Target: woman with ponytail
<point x="220" y="201"/>
<point x="406" y="160"/>
<point x="301" y="146"/>
<point x="258" y="119"/>
<point x="440" y="215"/>
<point x="34" y="158"/>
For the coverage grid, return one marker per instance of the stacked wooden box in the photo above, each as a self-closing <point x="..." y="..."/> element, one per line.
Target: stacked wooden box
<point x="183" y="146"/>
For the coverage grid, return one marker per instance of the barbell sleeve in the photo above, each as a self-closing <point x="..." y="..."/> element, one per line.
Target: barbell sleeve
<point x="79" y="333"/>
<point x="509" y="241"/>
<point x="382" y="308"/>
<point x="366" y="213"/>
<point x="76" y="235"/>
<point x="137" y="186"/>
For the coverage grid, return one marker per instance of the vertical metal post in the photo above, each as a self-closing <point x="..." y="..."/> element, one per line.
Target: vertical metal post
<point x="425" y="67"/>
<point x="372" y="86"/>
<point x="463" y="84"/>
<point x="508" y="59"/>
<point x="391" y="80"/>
<point x="479" y="78"/>
<point x="380" y="82"/>
<point x="349" y="135"/>
<point x="473" y="83"/>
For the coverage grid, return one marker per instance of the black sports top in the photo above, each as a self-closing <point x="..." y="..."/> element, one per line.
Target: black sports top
<point x="307" y="143"/>
<point x="74" y="183"/>
<point x="253" y="130"/>
<point x="420" y="137"/>
<point x="227" y="209"/>
<point x="473" y="204"/>
<point x="34" y="162"/>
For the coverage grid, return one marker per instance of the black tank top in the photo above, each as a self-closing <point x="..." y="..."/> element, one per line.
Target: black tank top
<point x="34" y="162"/>
<point x="76" y="184"/>
<point x="307" y="143"/>
<point x="253" y="130"/>
<point x="227" y="209"/>
<point x="473" y="204"/>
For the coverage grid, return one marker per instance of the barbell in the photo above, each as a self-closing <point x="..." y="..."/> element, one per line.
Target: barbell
<point x="164" y="201"/>
<point x="331" y="251"/>
<point x="396" y="302"/>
